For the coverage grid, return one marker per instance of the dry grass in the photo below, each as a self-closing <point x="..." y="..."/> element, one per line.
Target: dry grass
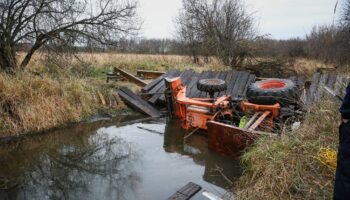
<point x="31" y="103"/>
<point x="308" y="66"/>
<point x="286" y="168"/>
<point x="133" y="62"/>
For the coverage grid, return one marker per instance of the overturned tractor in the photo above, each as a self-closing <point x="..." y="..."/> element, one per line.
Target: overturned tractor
<point x="231" y="124"/>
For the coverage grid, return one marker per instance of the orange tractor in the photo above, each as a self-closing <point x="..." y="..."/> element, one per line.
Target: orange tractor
<point x="231" y="124"/>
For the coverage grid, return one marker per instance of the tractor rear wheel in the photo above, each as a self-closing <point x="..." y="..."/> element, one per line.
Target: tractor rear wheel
<point x="271" y="91"/>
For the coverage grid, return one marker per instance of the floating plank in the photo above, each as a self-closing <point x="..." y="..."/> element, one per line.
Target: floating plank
<point x="186" y="192"/>
<point x="137" y="102"/>
<point x="130" y="77"/>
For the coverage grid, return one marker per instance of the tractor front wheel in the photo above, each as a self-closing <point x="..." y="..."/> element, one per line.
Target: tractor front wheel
<point x="211" y="85"/>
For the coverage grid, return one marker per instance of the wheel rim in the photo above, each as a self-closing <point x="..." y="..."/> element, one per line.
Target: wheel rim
<point x="273" y="84"/>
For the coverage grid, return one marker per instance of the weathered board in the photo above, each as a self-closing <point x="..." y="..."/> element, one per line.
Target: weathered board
<point x="186" y="192"/>
<point x="130" y="77"/>
<point x="316" y="91"/>
<point x="137" y="102"/>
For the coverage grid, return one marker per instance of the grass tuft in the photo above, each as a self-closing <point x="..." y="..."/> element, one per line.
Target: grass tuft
<point x="286" y="167"/>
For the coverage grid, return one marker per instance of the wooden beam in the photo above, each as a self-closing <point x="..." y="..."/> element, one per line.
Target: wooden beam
<point x="130" y="77"/>
<point x="251" y="120"/>
<point x="259" y="121"/>
<point x="137" y="102"/>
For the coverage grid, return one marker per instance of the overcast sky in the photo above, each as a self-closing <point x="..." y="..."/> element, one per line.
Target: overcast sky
<point x="281" y="18"/>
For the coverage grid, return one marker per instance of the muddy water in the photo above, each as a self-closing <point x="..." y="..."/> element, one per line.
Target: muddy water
<point x="102" y="160"/>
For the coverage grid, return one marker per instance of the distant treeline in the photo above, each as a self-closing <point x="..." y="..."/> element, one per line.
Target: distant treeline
<point x="329" y="44"/>
<point x="326" y="43"/>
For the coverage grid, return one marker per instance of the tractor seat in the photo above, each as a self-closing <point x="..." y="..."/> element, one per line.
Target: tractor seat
<point x="201" y="109"/>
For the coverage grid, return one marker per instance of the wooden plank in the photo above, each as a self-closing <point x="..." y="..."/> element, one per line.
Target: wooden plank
<point x="157" y="87"/>
<point x="338" y="86"/>
<point x="302" y="89"/>
<point x="137" y="102"/>
<point x="162" y="96"/>
<point x="192" y="86"/>
<point x="320" y="90"/>
<point x="160" y="92"/>
<point x="130" y="77"/>
<point x="243" y="84"/>
<point x="310" y="95"/>
<point x="251" y="80"/>
<point x="242" y="76"/>
<point x="332" y="78"/>
<point x="186" y="77"/>
<point x="232" y="82"/>
<point x="155" y="81"/>
<point x="186" y="192"/>
<point x="228" y="81"/>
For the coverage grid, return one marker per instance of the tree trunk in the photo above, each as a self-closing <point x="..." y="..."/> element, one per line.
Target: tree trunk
<point x="8" y="61"/>
<point x="30" y="53"/>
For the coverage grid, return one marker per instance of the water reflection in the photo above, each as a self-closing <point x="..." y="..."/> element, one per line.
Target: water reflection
<point x="219" y="170"/>
<point x="88" y="161"/>
<point x="70" y="164"/>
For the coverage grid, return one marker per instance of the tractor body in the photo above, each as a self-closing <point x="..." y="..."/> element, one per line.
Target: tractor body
<point x="221" y="118"/>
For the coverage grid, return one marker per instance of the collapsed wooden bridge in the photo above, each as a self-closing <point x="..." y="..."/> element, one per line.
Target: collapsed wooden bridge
<point x="311" y="90"/>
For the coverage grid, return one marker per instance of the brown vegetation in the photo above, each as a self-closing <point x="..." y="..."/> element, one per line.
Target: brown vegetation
<point x="286" y="167"/>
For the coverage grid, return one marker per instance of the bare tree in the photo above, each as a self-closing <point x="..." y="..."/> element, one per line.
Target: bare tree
<point x="71" y="22"/>
<point x="189" y="33"/>
<point x="345" y="17"/>
<point x="223" y="27"/>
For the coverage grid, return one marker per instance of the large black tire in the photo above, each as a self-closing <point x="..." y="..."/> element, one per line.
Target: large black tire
<point x="272" y="91"/>
<point x="211" y="85"/>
